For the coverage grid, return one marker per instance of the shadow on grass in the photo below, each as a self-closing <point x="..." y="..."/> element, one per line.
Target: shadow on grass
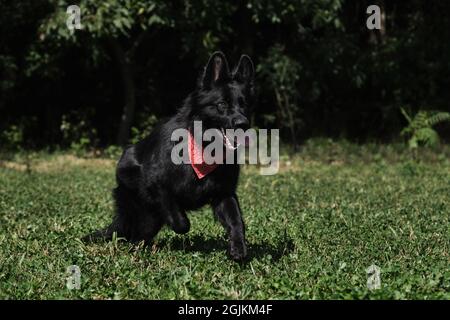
<point x="255" y="250"/>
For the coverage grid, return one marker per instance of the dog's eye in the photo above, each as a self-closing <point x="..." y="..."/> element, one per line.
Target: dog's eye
<point x="221" y="106"/>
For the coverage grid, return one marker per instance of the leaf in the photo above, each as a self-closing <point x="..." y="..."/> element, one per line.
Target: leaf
<point x="117" y="23"/>
<point x="438" y="117"/>
<point x="405" y="114"/>
<point x="428" y="137"/>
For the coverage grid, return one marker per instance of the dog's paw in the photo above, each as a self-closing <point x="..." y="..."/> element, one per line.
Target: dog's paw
<point x="237" y="251"/>
<point x="180" y="225"/>
<point x="182" y="228"/>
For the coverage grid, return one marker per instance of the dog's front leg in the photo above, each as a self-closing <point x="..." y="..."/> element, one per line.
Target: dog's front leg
<point x="228" y="212"/>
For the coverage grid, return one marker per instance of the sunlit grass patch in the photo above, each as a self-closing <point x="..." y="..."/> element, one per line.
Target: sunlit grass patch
<point x="312" y="233"/>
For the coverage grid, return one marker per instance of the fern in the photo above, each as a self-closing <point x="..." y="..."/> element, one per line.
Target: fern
<point x="438" y="117"/>
<point x="420" y="127"/>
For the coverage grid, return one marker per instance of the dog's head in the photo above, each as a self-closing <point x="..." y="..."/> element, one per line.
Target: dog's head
<point x="224" y="97"/>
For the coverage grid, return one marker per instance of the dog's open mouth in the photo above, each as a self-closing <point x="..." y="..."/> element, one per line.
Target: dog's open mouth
<point x="232" y="143"/>
<point x="226" y="141"/>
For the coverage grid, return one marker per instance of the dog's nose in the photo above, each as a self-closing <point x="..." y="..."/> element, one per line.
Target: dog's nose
<point x="241" y="122"/>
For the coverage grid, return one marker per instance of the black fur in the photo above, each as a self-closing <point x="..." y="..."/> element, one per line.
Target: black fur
<point x="152" y="191"/>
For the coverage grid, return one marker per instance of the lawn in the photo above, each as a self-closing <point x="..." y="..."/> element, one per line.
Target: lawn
<point x="313" y="230"/>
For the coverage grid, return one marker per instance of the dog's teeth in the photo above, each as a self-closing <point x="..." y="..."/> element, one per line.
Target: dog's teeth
<point x="227" y="141"/>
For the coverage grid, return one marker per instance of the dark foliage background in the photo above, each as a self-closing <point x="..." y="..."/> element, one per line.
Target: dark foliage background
<point x="321" y="72"/>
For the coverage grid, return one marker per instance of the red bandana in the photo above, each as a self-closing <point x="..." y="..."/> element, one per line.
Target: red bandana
<point x="201" y="168"/>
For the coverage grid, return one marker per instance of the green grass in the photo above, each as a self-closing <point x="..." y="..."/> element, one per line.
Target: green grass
<point x="312" y="231"/>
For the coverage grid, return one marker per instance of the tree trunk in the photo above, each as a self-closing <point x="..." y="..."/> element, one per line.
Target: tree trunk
<point x="286" y="114"/>
<point x="129" y="92"/>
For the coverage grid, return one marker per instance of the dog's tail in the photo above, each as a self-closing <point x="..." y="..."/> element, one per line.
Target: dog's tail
<point x="105" y="234"/>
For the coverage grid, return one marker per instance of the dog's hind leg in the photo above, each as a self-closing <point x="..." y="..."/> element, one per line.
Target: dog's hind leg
<point x="171" y="212"/>
<point x="177" y="220"/>
<point x="135" y="220"/>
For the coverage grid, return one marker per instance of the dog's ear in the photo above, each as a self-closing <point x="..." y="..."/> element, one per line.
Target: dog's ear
<point x="244" y="71"/>
<point x="216" y="71"/>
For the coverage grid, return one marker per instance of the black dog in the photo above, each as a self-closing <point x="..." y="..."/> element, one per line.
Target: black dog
<point x="152" y="191"/>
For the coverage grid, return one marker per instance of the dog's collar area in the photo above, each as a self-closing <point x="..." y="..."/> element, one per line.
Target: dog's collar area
<point x="201" y="168"/>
